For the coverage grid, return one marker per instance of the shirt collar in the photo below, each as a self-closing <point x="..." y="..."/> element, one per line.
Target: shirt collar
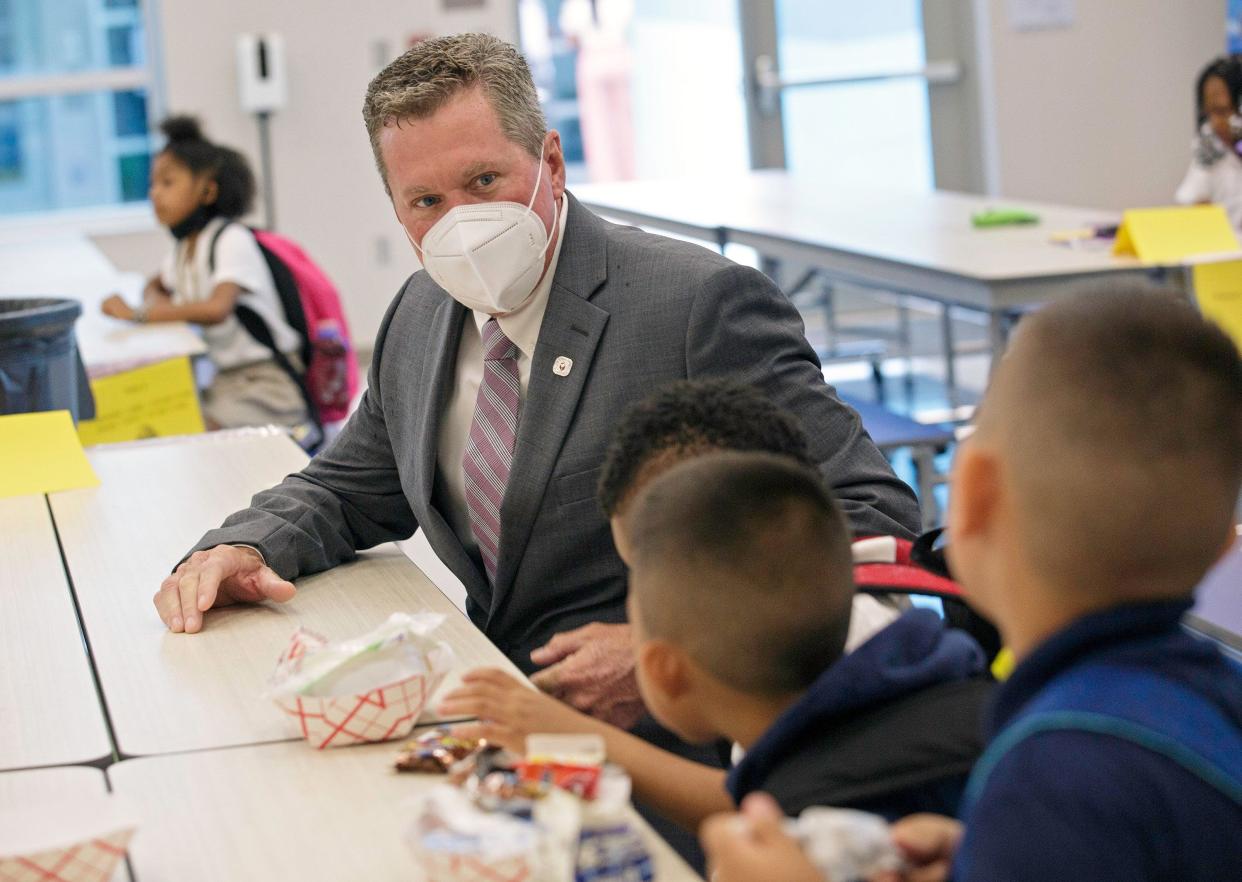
<point x="1093" y="633"/>
<point x="522" y="327"/>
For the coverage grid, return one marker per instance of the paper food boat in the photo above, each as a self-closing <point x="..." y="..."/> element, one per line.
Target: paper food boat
<point x="83" y="840"/>
<point x="372" y="688"/>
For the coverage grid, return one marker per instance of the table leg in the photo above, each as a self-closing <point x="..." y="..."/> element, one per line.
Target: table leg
<point x="950" y="356"/>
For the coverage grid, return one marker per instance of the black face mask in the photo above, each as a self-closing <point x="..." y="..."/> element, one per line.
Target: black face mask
<point x="193" y="222"/>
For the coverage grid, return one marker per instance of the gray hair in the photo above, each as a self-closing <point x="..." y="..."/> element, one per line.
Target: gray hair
<point x="425" y="77"/>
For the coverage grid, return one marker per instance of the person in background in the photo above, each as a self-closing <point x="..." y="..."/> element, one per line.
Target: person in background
<point x="1215" y="173"/>
<point x="1097" y="491"/>
<point x="198" y="191"/>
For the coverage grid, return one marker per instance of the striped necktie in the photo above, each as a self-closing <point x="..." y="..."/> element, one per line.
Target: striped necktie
<point x="489" y="450"/>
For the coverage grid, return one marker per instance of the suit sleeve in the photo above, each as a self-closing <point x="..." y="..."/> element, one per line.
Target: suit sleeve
<point x="742" y="325"/>
<point x="348" y="498"/>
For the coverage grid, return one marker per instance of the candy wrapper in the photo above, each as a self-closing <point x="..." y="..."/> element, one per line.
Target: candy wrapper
<point x="435" y="752"/>
<point x="82" y="840"/>
<point x="370" y="688"/>
<point x="497" y="826"/>
<point x="610" y="847"/>
<point x="844" y="844"/>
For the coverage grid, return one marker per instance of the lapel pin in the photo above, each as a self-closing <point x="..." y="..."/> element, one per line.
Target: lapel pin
<point x="562" y="366"/>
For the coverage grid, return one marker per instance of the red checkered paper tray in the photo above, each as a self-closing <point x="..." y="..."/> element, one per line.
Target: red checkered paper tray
<point x="370" y="688"/>
<point x="78" y="840"/>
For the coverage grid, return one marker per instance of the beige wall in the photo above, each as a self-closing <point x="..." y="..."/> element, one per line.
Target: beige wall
<point x="328" y="194"/>
<point x="1099" y="113"/>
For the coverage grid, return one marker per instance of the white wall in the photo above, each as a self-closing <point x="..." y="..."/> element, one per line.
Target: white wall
<point x="1100" y="113"/>
<point x="328" y="194"/>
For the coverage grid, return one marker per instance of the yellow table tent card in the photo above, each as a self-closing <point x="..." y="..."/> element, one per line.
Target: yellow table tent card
<point x="41" y="453"/>
<point x="147" y="402"/>
<point x="1218" y="291"/>
<point x="1169" y="235"/>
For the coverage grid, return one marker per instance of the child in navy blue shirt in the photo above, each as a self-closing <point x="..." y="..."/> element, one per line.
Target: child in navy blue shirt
<point x="1099" y="488"/>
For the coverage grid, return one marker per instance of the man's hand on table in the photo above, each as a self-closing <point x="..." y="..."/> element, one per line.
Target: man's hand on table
<point x="592" y="669"/>
<point x="218" y="577"/>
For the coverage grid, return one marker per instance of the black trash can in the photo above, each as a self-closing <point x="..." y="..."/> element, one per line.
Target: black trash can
<point x="40" y="367"/>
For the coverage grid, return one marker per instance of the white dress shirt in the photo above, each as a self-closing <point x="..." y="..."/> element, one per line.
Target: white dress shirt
<point x="522" y="328"/>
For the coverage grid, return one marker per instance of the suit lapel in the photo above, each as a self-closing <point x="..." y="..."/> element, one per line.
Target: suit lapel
<point x="572" y="328"/>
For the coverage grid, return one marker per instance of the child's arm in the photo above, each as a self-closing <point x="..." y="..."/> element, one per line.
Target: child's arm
<point x="686" y="792"/>
<point x="155" y="292"/>
<point x="215" y="309"/>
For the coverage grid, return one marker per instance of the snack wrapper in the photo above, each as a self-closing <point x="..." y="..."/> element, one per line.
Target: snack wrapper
<point x="82" y="840"/>
<point x="370" y="688"/>
<point x="845" y="844"/>
<point x="455" y="838"/>
<point x="452" y="841"/>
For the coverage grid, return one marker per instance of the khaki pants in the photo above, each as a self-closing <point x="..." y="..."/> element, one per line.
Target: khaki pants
<point x="257" y="394"/>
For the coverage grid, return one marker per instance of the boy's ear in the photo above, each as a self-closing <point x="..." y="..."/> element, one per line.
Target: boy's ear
<point x="210" y="193"/>
<point x="665" y="667"/>
<point x="976" y="491"/>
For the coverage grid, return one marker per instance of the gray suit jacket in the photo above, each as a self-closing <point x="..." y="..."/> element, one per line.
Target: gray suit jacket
<point x="633" y="311"/>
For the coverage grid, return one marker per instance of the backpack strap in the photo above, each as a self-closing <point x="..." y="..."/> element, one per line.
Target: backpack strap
<point x="1154" y="712"/>
<point x="258" y="329"/>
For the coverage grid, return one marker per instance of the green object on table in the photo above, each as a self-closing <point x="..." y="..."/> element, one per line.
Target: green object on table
<point x="1003" y="217"/>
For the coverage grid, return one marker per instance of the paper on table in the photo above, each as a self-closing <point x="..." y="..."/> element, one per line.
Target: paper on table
<point x="41" y="453"/>
<point x="147" y="402"/>
<point x="67" y="841"/>
<point x="1218" y="290"/>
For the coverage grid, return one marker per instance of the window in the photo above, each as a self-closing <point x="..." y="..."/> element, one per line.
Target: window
<point x="74" y="104"/>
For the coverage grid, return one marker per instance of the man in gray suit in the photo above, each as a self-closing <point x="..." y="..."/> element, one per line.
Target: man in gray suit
<point x="500" y="370"/>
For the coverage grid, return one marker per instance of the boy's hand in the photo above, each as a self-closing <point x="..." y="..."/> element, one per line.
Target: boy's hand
<point x="928" y="843"/>
<point x="508" y="710"/>
<point x="592" y="668"/>
<point x="751" y="846"/>
<point x="217" y="577"/>
<point x="117" y="308"/>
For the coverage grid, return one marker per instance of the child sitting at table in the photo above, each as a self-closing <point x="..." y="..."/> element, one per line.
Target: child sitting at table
<point x="1099" y="488"/>
<point x="198" y="190"/>
<point x="871" y="699"/>
<point x="1215" y="173"/>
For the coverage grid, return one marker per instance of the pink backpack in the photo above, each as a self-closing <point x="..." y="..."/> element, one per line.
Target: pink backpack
<point x="312" y="307"/>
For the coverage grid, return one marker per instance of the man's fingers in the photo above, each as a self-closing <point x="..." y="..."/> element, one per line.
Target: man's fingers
<point x="273" y="587"/>
<point x="559" y="647"/>
<point x="168" y="603"/>
<point x="187" y="590"/>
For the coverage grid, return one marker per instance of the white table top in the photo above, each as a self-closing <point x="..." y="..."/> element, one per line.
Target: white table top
<point x="42" y="786"/>
<point x="282" y="812"/>
<point x="928" y="231"/>
<point x="174" y="692"/>
<point x="71" y="266"/>
<point x="49" y="710"/>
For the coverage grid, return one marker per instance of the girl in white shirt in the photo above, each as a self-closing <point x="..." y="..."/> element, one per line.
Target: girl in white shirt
<point x="1215" y="173"/>
<point x="198" y="190"/>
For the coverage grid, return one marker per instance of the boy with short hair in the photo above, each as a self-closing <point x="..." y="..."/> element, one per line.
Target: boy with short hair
<point x="740" y="597"/>
<point x="1099" y="488"/>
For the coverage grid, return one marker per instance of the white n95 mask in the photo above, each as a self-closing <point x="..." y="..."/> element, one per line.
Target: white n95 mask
<point x="488" y="256"/>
